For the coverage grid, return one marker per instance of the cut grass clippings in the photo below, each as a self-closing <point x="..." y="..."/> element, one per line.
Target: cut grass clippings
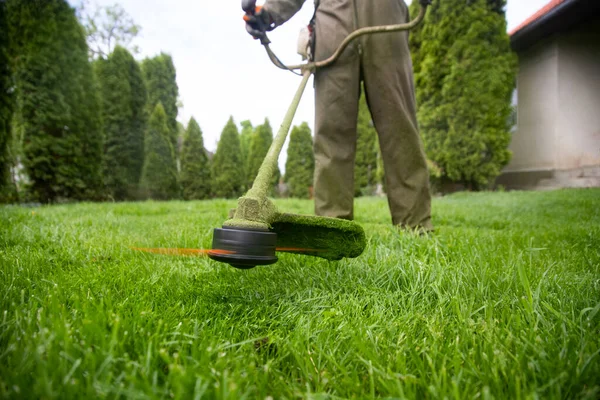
<point x="503" y="301"/>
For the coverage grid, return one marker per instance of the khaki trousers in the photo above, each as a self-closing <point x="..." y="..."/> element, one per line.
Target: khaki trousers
<point x="382" y="62"/>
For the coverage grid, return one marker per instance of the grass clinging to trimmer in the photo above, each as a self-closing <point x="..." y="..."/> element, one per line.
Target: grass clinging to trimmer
<point x="502" y="301"/>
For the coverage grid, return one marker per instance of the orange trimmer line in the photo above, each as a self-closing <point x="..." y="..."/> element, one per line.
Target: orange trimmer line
<point x="180" y="252"/>
<point x="201" y="252"/>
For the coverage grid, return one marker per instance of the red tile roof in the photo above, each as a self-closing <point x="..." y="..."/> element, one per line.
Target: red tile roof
<point x="543" y="11"/>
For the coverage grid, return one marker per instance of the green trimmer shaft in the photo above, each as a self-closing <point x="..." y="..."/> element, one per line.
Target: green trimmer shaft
<point x="256" y="230"/>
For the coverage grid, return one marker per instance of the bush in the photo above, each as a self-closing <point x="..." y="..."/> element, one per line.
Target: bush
<point x="465" y="75"/>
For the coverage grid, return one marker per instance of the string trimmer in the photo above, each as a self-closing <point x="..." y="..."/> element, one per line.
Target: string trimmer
<point x="256" y="230"/>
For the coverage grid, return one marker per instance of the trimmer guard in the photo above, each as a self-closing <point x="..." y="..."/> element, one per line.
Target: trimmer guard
<point x="328" y="238"/>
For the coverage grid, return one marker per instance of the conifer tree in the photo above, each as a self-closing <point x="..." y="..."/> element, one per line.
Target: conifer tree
<point x="139" y="121"/>
<point x="245" y="141"/>
<point x="227" y="171"/>
<point x="159" y="175"/>
<point x="365" y="164"/>
<point x="58" y="102"/>
<point x="124" y="115"/>
<point x="465" y="75"/>
<point x="6" y="106"/>
<point x="195" y="169"/>
<point x="259" y="147"/>
<point x="300" y="163"/>
<point x="162" y="87"/>
<point x="497" y="6"/>
<point x="180" y="137"/>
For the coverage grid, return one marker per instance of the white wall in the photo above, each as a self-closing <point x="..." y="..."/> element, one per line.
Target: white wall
<point x="578" y="135"/>
<point x="558" y="122"/>
<point x="533" y="142"/>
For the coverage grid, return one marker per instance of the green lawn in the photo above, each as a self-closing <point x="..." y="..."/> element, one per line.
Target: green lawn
<point x="503" y="301"/>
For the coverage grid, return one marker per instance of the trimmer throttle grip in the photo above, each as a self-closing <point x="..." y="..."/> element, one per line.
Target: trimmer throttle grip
<point x="249" y="6"/>
<point x="252" y="17"/>
<point x="254" y="11"/>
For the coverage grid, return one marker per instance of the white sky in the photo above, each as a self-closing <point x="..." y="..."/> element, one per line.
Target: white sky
<point x="221" y="71"/>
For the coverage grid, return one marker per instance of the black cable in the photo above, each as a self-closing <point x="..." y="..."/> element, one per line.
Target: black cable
<point x="278" y="63"/>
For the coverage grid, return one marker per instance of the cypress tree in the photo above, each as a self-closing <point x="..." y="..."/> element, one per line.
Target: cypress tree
<point x="259" y="147"/>
<point x="300" y="163"/>
<point x="227" y="171"/>
<point x="139" y="121"/>
<point x="465" y="75"/>
<point x="124" y="116"/>
<point x="159" y="175"/>
<point x="6" y="106"/>
<point x="57" y="99"/>
<point x="195" y="170"/>
<point x="497" y="6"/>
<point x="162" y="87"/>
<point x="365" y="164"/>
<point x="180" y="138"/>
<point x="245" y="141"/>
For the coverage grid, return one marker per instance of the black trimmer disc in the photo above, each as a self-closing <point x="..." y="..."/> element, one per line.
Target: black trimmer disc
<point x="243" y="248"/>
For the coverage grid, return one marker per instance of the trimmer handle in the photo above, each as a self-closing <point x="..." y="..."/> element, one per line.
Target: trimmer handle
<point x="249" y="6"/>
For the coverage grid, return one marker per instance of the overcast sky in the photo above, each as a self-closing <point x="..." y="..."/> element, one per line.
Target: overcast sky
<point x="221" y="71"/>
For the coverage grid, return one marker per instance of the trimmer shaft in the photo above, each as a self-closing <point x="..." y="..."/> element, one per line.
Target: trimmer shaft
<point x="243" y="248"/>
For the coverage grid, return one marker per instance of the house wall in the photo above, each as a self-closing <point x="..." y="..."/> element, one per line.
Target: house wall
<point x="557" y="139"/>
<point x="578" y="136"/>
<point x="533" y="142"/>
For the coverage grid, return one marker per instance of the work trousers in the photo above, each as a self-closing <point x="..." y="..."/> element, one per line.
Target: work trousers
<point x="383" y="64"/>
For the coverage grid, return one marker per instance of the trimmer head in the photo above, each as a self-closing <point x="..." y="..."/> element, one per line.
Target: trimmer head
<point x="328" y="238"/>
<point x="243" y="248"/>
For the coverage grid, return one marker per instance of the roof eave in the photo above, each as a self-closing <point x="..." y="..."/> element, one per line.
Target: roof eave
<point x="560" y="18"/>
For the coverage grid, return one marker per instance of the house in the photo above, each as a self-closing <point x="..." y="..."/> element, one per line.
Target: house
<point x="556" y="142"/>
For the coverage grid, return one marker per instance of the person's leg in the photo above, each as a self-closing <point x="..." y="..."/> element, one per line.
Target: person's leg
<point x="388" y="79"/>
<point x="337" y="90"/>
